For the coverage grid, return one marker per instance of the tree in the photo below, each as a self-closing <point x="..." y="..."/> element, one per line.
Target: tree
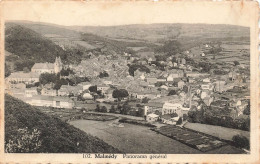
<point x="145" y="100"/>
<point x="112" y="109"/>
<point x="171" y="47"/>
<point x="236" y="63"/>
<point x="7" y="70"/>
<point x="46" y="78"/>
<point x="125" y="109"/>
<point x="172" y="92"/>
<point x="66" y="72"/>
<point x="120" y="93"/>
<point x="93" y="88"/>
<point x="241" y="141"/>
<point x="26" y="70"/>
<point x="185" y="117"/>
<point x="140" y="112"/>
<point x="103" y="74"/>
<point x="97" y="108"/>
<point x="103" y="109"/>
<point x="185" y="89"/>
<point x="179" y="122"/>
<point x="247" y="110"/>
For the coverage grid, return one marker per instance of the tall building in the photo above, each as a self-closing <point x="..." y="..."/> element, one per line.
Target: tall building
<point x="55" y="67"/>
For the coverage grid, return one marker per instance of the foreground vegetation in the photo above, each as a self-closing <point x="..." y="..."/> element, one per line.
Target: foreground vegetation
<point x="28" y="130"/>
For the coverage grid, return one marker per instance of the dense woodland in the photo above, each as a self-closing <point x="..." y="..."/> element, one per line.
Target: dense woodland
<point x="29" y="130"/>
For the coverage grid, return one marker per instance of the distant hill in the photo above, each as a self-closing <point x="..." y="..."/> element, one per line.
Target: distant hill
<point x="55" y="136"/>
<point x="28" y="47"/>
<point x="69" y="37"/>
<point x="146" y="35"/>
<point x="155" y="33"/>
<point x="31" y="42"/>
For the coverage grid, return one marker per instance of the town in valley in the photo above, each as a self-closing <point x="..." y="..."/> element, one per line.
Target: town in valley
<point x="185" y="88"/>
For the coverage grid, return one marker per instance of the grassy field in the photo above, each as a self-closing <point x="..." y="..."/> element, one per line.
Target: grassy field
<point x="217" y="131"/>
<point x="133" y="138"/>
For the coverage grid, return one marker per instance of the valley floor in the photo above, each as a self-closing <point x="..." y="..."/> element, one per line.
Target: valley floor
<point x="140" y="139"/>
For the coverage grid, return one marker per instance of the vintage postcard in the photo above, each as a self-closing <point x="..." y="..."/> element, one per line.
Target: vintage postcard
<point x="129" y="82"/>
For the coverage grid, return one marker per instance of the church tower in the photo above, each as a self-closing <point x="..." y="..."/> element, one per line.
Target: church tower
<point x="57" y="65"/>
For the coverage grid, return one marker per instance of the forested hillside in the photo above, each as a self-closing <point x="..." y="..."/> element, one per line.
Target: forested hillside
<point x="29" y="47"/>
<point x="29" y="130"/>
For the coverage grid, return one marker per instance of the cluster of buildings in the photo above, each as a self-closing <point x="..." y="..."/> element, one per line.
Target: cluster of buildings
<point x="169" y="93"/>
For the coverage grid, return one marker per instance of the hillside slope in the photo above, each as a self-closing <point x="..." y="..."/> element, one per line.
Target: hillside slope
<point x="28" y="47"/>
<point x="55" y="136"/>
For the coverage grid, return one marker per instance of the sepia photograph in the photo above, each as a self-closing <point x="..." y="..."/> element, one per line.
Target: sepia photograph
<point x="127" y="89"/>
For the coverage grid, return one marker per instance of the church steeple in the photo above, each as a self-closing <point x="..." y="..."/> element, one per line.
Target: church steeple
<point x="57" y="65"/>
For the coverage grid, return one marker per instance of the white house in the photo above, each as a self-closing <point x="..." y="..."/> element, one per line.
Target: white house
<point x="103" y="88"/>
<point x="51" y="101"/>
<point x="152" y="117"/>
<point x="49" y="92"/>
<point x="21" y="77"/>
<point x="30" y="92"/>
<point x="169" y="108"/>
<point x="85" y="85"/>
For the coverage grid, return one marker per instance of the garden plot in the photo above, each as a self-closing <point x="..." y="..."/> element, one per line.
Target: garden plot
<point x="190" y="138"/>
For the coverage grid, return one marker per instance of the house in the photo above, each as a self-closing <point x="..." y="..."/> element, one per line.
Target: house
<point x="21" y="77"/>
<point x="109" y="94"/>
<point x="191" y="80"/>
<point x="151" y="80"/>
<point x="87" y="96"/>
<point x="164" y="87"/>
<point x="207" y="86"/>
<point x="219" y="86"/>
<point x="16" y="86"/>
<point x="204" y="94"/>
<point x="168" y="119"/>
<point x="193" y="74"/>
<point x="206" y="80"/>
<point x="66" y="90"/>
<point x="161" y="79"/>
<point x="181" y="84"/>
<point x="169" y="108"/>
<point x="208" y="100"/>
<point x="107" y="82"/>
<point x="85" y="85"/>
<point x="30" y="92"/>
<point x="55" y="67"/>
<point x="143" y="94"/>
<point x="153" y="107"/>
<point x="51" y="101"/>
<point x="183" y="61"/>
<point x="103" y="88"/>
<point x="48" y="92"/>
<point x="151" y="59"/>
<point x="152" y="117"/>
<point x="232" y="75"/>
<point x="17" y="93"/>
<point x="172" y="76"/>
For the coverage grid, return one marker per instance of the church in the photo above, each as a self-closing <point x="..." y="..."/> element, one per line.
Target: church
<point x="55" y="67"/>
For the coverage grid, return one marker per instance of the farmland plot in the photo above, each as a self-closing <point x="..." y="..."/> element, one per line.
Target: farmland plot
<point x="195" y="140"/>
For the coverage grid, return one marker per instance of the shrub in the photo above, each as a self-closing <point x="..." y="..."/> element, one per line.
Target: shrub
<point x="179" y="122"/>
<point x="241" y="141"/>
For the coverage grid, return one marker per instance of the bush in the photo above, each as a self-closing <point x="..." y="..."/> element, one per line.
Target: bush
<point x="179" y="122"/>
<point x="241" y="141"/>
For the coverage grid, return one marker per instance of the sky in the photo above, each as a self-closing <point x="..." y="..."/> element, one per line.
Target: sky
<point x="119" y="13"/>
